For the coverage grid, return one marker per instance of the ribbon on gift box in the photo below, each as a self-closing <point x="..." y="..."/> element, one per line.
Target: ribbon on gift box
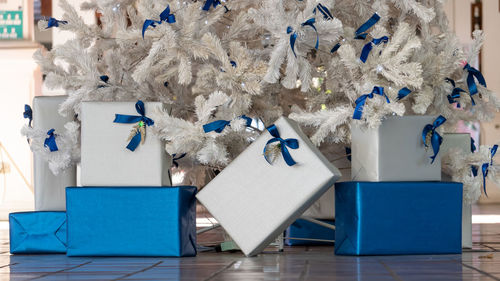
<point x="360" y="102"/>
<point x="50" y="141"/>
<point x="283" y="145"/>
<point x="140" y="129"/>
<point x="435" y="139"/>
<point x="219" y="125"/>
<point x="361" y="31"/>
<point x="52" y="22"/>
<point x="369" y="46"/>
<point x="485" y="166"/>
<point x="164" y="16"/>
<point x="28" y="113"/>
<point x="471" y="83"/>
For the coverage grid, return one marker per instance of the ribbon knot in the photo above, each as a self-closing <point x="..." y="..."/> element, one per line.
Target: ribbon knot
<point x="209" y="3"/>
<point x="435" y="138"/>
<point x="28" y="113"/>
<point x="471" y="83"/>
<point x="50" y="141"/>
<point x="485" y="166"/>
<point x="360" y="102"/>
<point x="164" y="16"/>
<point x="219" y="125"/>
<point x="175" y="158"/>
<point x="403" y="93"/>
<point x="369" y="46"/>
<point x="283" y="144"/>
<point x="139" y="132"/>
<point x="52" y="22"/>
<point x="455" y="94"/>
<point x="324" y="10"/>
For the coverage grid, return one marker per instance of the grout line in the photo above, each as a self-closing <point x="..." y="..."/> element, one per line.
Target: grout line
<point x="219" y="271"/>
<point x="59" y="271"/>
<point x="481" y="271"/>
<point x="139" y="271"/>
<point x="393" y="274"/>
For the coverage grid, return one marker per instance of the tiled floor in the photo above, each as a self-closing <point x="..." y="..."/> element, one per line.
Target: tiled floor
<point x="297" y="263"/>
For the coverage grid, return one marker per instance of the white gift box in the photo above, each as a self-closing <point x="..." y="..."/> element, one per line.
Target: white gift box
<point x="106" y="161"/>
<point x="393" y="152"/>
<point x="256" y="201"/>
<point x="461" y="141"/>
<point x="50" y="192"/>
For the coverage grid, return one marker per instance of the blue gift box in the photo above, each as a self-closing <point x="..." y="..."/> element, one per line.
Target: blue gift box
<point x="37" y="232"/>
<point x="131" y="221"/>
<point x="307" y="230"/>
<point x="391" y="218"/>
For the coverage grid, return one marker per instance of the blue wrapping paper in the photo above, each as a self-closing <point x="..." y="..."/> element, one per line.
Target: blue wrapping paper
<point x="37" y="232"/>
<point x="131" y="221"/>
<point x="391" y="218"/>
<point x="308" y="230"/>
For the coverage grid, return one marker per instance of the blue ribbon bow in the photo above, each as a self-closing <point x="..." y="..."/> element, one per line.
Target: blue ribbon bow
<point x="335" y="48"/>
<point x="164" y="16"/>
<point x="219" y="125"/>
<point x="471" y="83"/>
<point x="360" y="102"/>
<point x="175" y="158"/>
<point x="52" y="22"/>
<point x="28" y="113"/>
<point x="130" y="119"/>
<point x="284" y="143"/>
<point x="50" y="141"/>
<point x="369" y="46"/>
<point x="455" y="94"/>
<point x="324" y="10"/>
<point x="485" y="167"/>
<point x="310" y="22"/>
<point x="105" y="79"/>
<point x="472" y="145"/>
<point x="436" y="139"/>
<point x="361" y="31"/>
<point x="403" y="93"/>
<point x="209" y="3"/>
<point x="293" y="38"/>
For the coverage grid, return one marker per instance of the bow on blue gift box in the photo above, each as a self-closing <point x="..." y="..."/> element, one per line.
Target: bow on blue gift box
<point x="429" y="134"/>
<point x="138" y="134"/>
<point x="164" y="16"/>
<point x="283" y="145"/>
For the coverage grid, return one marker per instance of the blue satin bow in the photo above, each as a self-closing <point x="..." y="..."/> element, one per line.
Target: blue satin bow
<point x="28" y="113"/>
<point x="486" y="166"/>
<point x="209" y="3"/>
<point x="369" y="46"/>
<point x="310" y="22"/>
<point x="436" y="139"/>
<point x="105" y="79"/>
<point x="130" y="119"/>
<point x="471" y="83"/>
<point x="455" y="94"/>
<point x="293" y="38"/>
<point x="52" y="22"/>
<point x="219" y="125"/>
<point x="284" y="143"/>
<point x="175" y="158"/>
<point x="50" y="141"/>
<point x="361" y="31"/>
<point x="164" y="16"/>
<point x="324" y="10"/>
<point x="403" y="93"/>
<point x="360" y="102"/>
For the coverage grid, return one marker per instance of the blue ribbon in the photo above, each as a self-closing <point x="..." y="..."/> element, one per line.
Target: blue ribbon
<point x="104" y="78"/>
<point x="219" y="125"/>
<point x="130" y="119"/>
<point x="335" y="48"/>
<point x="436" y="139"/>
<point x="455" y="94"/>
<point x="293" y="38"/>
<point x="471" y="83"/>
<point x="472" y="145"/>
<point x="486" y="166"/>
<point x="284" y="143"/>
<point x="324" y="10"/>
<point x="361" y="31"/>
<point x="360" y="102"/>
<point x="403" y="93"/>
<point x="348" y="153"/>
<point x="28" y="113"/>
<point x="369" y="46"/>
<point x="52" y="22"/>
<point x="175" y="158"/>
<point x="233" y="63"/>
<point x="209" y="3"/>
<point x="50" y="141"/>
<point x="164" y="16"/>
<point x="310" y="22"/>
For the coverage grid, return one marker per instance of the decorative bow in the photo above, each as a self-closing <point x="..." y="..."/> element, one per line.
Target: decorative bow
<point x="164" y="16"/>
<point x="283" y="144"/>
<point x="310" y="22"/>
<point x="361" y="31"/>
<point x="369" y="46"/>
<point x="324" y="10"/>
<point x="429" y="132"/>
<point x="293" y="38"/>
<point x="209" y="3"/>
<point x="50" y="141"/>
<point x="138" y="134"/>
<point x="105" y="79"/>
<point x="28" y="113"/>
<point x="175" y="158"/>
<point x="485" y="167"/>
<point x="360" y="102"/>
<point x="219" y="125"/>
<point x="403" y="93"/>
<point x="471" y="83"/>
<point x="52" y="22"/>
<point x="455" y="94"/>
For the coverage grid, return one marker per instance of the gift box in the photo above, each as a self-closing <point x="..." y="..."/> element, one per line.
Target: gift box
<point x="129" y="221"/>
<point x="324" y="207"/>
<point x="49" y="188"/>
<point x="254" y="200"/>
<point x="462" y="142"/>
<point x="37" y="232"/>
<point x="106" y="160"/>
<point x="396" y="218"/>
<point x="394" y="151"/>
<point x="309" y="233"/>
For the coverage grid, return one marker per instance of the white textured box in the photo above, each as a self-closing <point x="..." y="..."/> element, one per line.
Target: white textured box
<point x="394" y="151"/>
<point x="255" y="201"/>
<point x="50" y="189"/>
<point x="105" y="159"/>
<point x="461" y="141"/>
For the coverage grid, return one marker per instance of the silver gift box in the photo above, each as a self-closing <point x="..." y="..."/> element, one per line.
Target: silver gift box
<point x="50" y="189"/>
<point x="394" y="151"/>
<point x="106" y="161"/>
<point x="256" y="201"/>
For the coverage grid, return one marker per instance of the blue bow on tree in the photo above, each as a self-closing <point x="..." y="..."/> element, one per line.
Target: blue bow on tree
<point x="360" y="102"/>
<point x="472" y="145"/>
<point x="435" y="139"/>
<point x="471" y="83"/>
<point x="142" y="121"/>
<point x="369" y="46"/>
<point x="52" y="22"/>
<point x="455" y="94"/>
<point x="28" y="113"/>
<point x="210" y="3"/>
<point x="219" y="125"/>
<point x="485" y="166"/>
<point x="175" y="158"/>
<point x="164" y="16"/>
<point x="324" y="10"/>
<point x="361" y="31"/>
<point x="403" y="93"/>
<point x="293" y="35"/>
<point x="50" y="141"/>
<point x="283" y="145"/>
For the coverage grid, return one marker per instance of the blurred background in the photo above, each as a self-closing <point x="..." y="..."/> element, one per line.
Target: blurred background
<point x="21" y="80"/>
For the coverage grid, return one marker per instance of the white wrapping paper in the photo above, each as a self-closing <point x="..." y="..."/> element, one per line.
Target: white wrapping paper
<point x="50" y="189"/>
<point x="105" y="159"/>
<point x="394" y="151"/>
<point x="255" y="201"/>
